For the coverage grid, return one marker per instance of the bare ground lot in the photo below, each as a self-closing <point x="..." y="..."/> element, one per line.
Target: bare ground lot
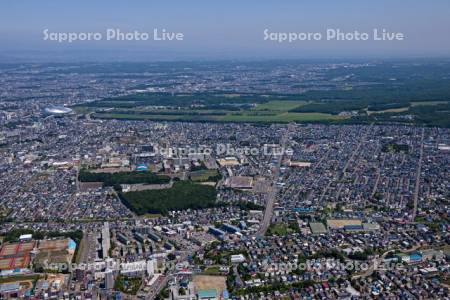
<point x="204" y="282"/>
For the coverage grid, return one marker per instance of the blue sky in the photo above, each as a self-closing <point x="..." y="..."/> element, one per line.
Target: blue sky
<point x="232" y="28"/>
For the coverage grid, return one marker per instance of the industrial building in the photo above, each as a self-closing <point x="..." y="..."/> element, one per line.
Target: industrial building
<point x="154" y="237"/>
<point x="216" y="232"/>
<point x="238" y="258"/>
<point x="122" y="238"/>
<point x="230" y="228"/>
<point x="139" y="237"/>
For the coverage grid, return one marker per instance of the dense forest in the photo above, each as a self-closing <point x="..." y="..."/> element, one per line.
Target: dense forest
<point x="182" y="195"/>
<point x="13" y="235"/>
<point x="113" y="179"/>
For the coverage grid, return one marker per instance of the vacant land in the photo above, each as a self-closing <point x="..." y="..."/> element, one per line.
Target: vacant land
<point x="205" y="282"/>
<point x="182" y="195"/>
<point x="282" y="229"/>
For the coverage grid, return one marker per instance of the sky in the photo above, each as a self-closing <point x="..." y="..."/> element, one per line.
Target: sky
<point x="232" y="29"/>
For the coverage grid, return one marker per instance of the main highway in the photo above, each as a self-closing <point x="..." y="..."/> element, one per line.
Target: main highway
<point x="273" y="190"/>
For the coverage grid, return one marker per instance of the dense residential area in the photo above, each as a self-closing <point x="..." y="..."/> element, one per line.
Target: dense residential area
<point x="95" y="205"/>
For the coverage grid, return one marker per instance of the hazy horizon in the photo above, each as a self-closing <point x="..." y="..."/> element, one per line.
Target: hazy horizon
<point x="231" y="30"/>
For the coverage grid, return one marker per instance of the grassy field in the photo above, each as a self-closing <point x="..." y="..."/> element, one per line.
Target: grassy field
<point x="19" y="278"/>
<point x="80" y="251"/>
<point x="281" y="117"/>
<point x="151" y="216"/>
<point x="275" y="111"/>
<point x="212" y="271"/>
<point x="131" y="116"/>
<point x="281" y="229"/>
<point x="277" y="229"/>
<point x="279" y="105"/>
<point x="391" y="110"/>
<point x="259" y="108"/>
<point x="204" y="175"/>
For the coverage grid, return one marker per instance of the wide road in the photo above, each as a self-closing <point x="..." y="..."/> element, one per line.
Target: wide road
<point x="417" y="186"/>
<point x="272" y="194"/>
<point x="159" y="286"/>
<point x="162" y="282"/>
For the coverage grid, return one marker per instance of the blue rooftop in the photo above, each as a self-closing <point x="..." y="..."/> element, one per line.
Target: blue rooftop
<point x="353" y="227"/>
<point x="71" y="244"/>
<point x="303" y="209"/>
<point x="415" y="256"/>
<point x="141" y="167"/>
<point x="9" y="287"/>
<point x="210" y="293"/>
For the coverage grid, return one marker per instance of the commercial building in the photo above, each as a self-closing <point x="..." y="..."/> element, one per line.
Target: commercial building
<point x="138" y="268"/>
<point x="25" y="237"/>
<point x="317" y="228"/>
<point x="241" y="182"/>
<point x="238" y="258"/>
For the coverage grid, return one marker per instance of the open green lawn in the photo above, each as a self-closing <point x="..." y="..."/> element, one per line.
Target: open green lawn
<point x="277" y="229"/>
<point x="131" y="116"/>
<point x="388" y="102"/>
<point x="279" y="105"/>
<point x="281" y="229"/>
<point x="152" y="216"/>
<point x="80" y="250"/>
<point x="212" y="271"/>
<point x="251" y="117"/>
<point x="204" y="175"/>
<point x="281" y="118"/>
